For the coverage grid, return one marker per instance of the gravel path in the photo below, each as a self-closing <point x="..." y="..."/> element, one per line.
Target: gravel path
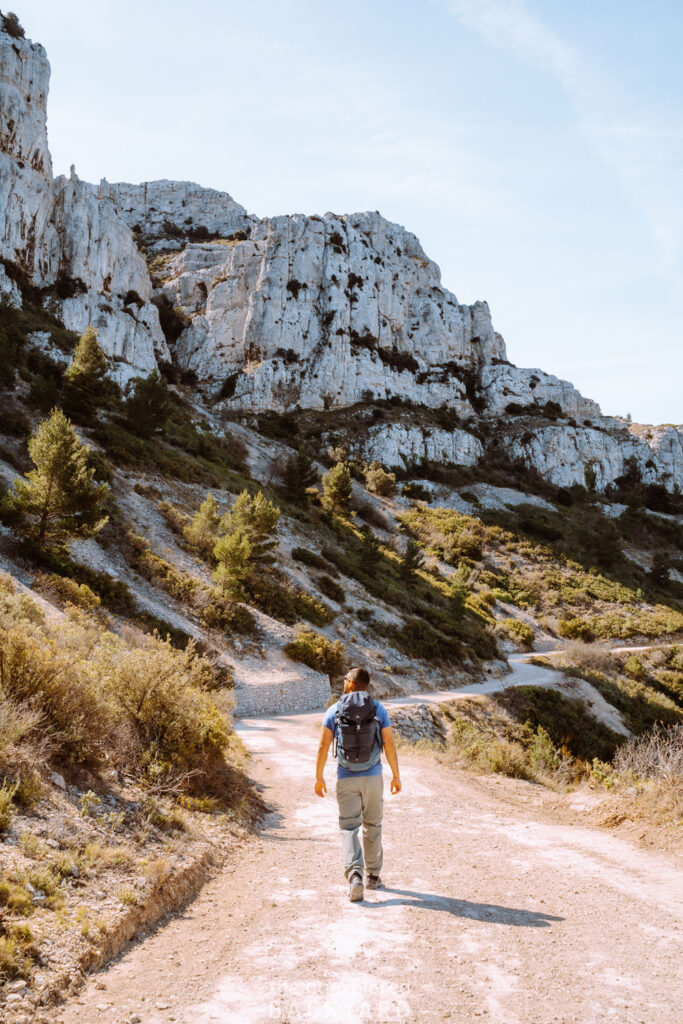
<point x="491" y="911"/>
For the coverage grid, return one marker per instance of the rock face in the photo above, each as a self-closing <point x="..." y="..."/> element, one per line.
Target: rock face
<point x="504" y="385"/>
<point x="287" y="313"/>
<point x="323" y="312"/>
<point x="61" y="234"/>
<point x="401" y="445"/>
<point x="561" y="453"/>
<point x="175" y="210"/>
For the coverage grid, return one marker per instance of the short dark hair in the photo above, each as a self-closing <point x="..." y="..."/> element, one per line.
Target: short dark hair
<point x="360" y="677"/>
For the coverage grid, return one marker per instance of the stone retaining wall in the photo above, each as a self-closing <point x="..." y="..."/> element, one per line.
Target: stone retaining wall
<point x="310" y="693"/>
<point x="418" y="722"/>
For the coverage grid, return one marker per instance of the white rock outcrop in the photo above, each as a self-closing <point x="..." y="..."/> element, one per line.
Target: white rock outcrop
<point x="175" y="209"/>
<point x="561" y="453"/>
<point x="60" y="233"/>
<point x="9" y="291"/>
<point x="400" y="445"/>
<point x="323" y="312"/>
<point x="503" y="384"/>
<point x="659" y="453"/>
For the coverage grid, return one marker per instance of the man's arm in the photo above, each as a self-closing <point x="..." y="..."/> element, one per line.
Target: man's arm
<point x="390" y="751"/>
<point x="323" y="747"/>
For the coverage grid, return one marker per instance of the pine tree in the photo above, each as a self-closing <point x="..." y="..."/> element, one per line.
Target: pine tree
<point x="234" y="554"/>
<point x="411" y="561"/>
<point x="458" y="592"/>
<point x="87" y="386"/>
<point x="202" y="530"/>
<point x="149" y="406"/>
<point x="300" y="473"/>
<point x="257" y="519"/>
<point x="337" y="486"/>
<point x="59" y="498"/>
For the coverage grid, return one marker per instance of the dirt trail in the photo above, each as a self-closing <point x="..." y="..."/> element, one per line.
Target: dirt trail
<point x="491" y="911"/>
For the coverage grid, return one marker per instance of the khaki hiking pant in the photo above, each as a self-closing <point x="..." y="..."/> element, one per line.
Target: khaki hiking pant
<point x="361" y="802"/>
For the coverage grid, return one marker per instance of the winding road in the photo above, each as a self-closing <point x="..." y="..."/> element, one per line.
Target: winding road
<point x="491" y="911"/>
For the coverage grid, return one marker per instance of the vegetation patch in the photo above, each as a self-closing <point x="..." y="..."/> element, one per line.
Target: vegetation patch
<point x="316" y="651"/>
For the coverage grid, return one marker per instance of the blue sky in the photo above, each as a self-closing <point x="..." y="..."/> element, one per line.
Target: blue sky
<point x="534" y="146"/>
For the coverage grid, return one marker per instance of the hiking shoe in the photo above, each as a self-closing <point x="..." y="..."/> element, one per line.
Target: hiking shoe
<point x="373" y="881"/>
<point x="355" y="888"/>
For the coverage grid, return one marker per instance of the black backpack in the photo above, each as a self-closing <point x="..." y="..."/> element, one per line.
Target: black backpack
<point x="358" y="734"/>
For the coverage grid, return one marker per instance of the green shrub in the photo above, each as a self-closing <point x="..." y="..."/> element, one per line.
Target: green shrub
<point x="175" y="519"/>
<point x="418" y="639"/>
<point x="451" y="535"/>
<point x="576" y="629"/>
<point x="311" y="559"/>
<point x="483" y="750"/>
<point x="313" y="610"/>
<point x="519" y="632"/>
<point x="158" y="571"/>
<point x="337" y="486"/>
<point x="7" y="795"/>
<point x="229" y="616"/>
<point x="201" y="531"/>
<point x="416" y="492"/>
<point x="163" y="697"/>
<point x="634" y="668"/>
<point x="379" y="481"/>
<point x="67" y="590"/>
<point x="316" y="651"/>
<point x="149" y="406"/>
<point x="331" y="589"/>
<point x="76" y="715"/>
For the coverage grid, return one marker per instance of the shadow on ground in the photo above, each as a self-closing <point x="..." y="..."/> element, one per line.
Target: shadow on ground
<point x="487" y="912"/>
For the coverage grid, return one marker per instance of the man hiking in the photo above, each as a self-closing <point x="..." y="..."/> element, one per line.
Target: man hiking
<point x="361" y="729"/>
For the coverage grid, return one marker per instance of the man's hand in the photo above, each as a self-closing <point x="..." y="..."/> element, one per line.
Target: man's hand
<point x="395" y="785"/>
<point x="321" y="788"/>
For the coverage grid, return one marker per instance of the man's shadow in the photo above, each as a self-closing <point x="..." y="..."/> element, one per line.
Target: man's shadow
<point x="487" y="912"/>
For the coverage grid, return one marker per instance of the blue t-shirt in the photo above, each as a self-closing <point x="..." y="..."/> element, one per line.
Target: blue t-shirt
<point x="384" y="723"/>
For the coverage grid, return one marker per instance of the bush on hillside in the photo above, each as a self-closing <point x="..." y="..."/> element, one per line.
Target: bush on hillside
<point x="418" y="639"/>
<point x="576" y="629"/>
<point x="520" y="633"/>
<point x="416" y="492"/>
<point x="316" y="651"/>
<point x="379" y="480"/>
<point x="67" y="590"/>
<point x="330" y="588"/>
<point x="311" y="559"/>
<point x="84" y="696"/>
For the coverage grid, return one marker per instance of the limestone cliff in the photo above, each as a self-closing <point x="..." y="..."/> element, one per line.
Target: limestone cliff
<point x="286" y="313"/>
<point x="68" y="241"/>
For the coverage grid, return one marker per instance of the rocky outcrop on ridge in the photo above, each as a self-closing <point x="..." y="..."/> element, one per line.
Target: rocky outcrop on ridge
<point x="168" y="212"/>
<point x="70" y="244"/>
<point x="324" y="312"/>
<point x="289" y="313"/>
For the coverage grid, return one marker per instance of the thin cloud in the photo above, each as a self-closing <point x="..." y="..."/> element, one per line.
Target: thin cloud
<point x="643" y="149"/>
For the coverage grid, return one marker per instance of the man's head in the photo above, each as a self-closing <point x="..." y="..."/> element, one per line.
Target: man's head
<point x="356" y="679"/>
